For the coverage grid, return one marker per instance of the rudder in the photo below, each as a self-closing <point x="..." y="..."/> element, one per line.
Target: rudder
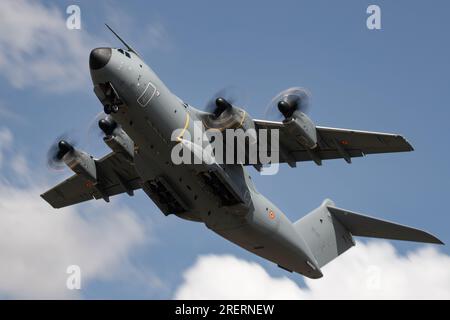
<point x="325" y="235"/>
<point x="329" y="231"/>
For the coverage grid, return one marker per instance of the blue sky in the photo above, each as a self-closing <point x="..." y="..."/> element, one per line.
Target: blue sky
<point x="391" y="80"/>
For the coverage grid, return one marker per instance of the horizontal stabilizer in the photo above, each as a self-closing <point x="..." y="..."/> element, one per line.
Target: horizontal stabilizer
<point x="365" y="226"/>
<point x="329" y="231"/>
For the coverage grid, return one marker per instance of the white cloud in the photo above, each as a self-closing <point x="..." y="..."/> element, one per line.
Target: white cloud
<point x="19" y="165"/>
<point x="38" y="243"/>
<point x="369" y="271"/>
<point x="38" y="50"/>
<point x="5" y="142"/>
<point x="156" y="36"/>
<point x="6" y="138"/>
<point x="227" y="277"/>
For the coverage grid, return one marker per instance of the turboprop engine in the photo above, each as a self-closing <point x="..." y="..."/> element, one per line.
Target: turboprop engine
<point x="116" y="138"/>
<point x="78" y="161"/>
<point x="223" y="115"/>
<point x="293" y="104"/>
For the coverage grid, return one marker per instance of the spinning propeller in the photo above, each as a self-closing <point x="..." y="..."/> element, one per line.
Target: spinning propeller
<point x="107" y="125"/>
<point x="60" y="148"/>
<point x="221" y="108"/>
<point x="223" y="100"/>
<point x="287" y="102"/>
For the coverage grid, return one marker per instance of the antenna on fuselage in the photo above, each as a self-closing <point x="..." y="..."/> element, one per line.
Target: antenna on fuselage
<point x="121" y="40"/>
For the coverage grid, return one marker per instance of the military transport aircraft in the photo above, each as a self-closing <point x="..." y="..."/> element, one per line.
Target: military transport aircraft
<point x="141" y="114"/>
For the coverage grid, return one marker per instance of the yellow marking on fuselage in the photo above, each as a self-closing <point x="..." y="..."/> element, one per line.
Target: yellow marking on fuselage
<point x="243" y="118"/>
<point x="180" y="136"/>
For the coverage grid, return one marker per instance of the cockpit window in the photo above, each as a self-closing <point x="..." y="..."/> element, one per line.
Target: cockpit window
<point x="124" y="52"/>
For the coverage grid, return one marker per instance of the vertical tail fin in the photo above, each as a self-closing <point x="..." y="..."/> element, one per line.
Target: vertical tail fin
<point x="329" y="231"/>
<point x="325" y="235"/>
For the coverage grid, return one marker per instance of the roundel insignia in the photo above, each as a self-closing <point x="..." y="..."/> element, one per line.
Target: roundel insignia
<point x="271" y="215"/>
<point x="89" y="184"/>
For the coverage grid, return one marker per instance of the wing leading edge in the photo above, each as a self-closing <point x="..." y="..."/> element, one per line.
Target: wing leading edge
<point x="334" y="143"/>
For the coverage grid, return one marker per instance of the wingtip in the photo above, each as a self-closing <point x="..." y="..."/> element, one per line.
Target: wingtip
<point x="43" y="196"/>
<point x="433" y="239"/>
<point x="408" y="144"/>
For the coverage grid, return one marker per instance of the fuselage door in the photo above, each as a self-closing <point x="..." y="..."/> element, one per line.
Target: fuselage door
<point x="147" y="95"/>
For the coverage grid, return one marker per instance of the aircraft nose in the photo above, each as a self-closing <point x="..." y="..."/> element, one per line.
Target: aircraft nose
<point x="99" y="57"/>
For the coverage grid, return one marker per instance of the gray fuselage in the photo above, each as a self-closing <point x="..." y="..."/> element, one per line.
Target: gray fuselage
<point x="149" y="115"/>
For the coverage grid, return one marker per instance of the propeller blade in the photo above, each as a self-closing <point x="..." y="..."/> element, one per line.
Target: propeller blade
<point x="221" y="106"/>
<point x="107" y="125"/>
<point x="284" y="104"/>
<point x="93" y="128"/>
<point x="228" y="94"/>
<point x="62" y="146"/>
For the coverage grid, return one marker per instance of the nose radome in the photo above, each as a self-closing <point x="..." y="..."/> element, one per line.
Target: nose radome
<point x="99" y="57"/>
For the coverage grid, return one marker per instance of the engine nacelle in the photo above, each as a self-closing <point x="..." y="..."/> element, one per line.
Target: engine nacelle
<point x="248" y="125"/>
<point x="302" y="127"/>
<point x="82" y="163"/>
<point x="120" y="142"/>
<point x="230" y="117"/>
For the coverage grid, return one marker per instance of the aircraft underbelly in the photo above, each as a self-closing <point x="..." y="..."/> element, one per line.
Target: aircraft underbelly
<point x="150" y="119"/>
<point x="271" y="247"/>
<point x="191" y="192"/>
<point x="153" y="163"/>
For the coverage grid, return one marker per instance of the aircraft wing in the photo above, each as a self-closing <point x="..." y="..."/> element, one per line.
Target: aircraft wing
<point x="334" y="143"/>
<point x="115" y="175"/>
